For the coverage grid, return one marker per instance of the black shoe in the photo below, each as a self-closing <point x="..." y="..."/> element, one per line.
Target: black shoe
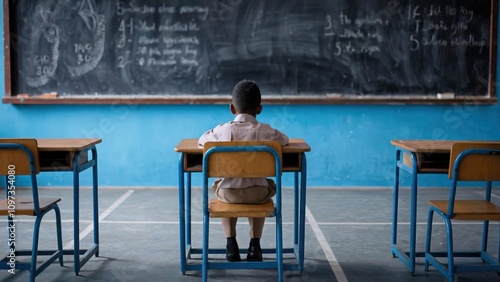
<point x="232" y="250"/>
<point x="254" y="251"/>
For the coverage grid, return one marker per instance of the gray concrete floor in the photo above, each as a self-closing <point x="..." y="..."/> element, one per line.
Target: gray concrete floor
<point x="348" y="234"/>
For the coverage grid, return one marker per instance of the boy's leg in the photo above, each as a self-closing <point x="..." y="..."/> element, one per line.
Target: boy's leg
<point x="229" y="226"/>
<point x="232" y="249"/>
<point x="256" y="228"/>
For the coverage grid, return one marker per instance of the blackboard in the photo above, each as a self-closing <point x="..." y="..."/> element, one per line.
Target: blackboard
<point x="194" y="51"/>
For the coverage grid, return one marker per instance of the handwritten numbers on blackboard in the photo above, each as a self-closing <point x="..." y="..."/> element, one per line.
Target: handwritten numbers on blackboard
<point x="125" y="29"/>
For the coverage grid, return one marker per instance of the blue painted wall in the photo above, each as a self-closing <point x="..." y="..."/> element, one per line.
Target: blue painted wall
<point x="350" y="143"/>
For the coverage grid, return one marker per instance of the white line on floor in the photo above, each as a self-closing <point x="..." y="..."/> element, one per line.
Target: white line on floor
<point x="334" y="264"/>
<point x="109" y="210"/>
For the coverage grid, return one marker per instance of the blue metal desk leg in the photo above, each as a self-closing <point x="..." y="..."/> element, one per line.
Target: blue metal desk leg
<point x="188" y="211"/>
<point x="413" y="217"/>
<point x="182" y="223"/>
<point x="408" y="260"/>
<point x="296" y="193"/>
<point x="77" y="168"/>
<point x="302" y="202"/>
<point x="76" y="212"/>
<point x="95" y="197"/>
<point x="395" y="205"/>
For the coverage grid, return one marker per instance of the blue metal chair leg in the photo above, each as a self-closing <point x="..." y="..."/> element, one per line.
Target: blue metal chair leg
<point x="498" y="248"/>
<point x="484" y="241"/>
<point x="204" y="266"/>
<point x="449" y="236"/>
<point x="486" y="223"/>
<point x="59" y="234"/>
<point x="428" y="238"/>
<point x="34" y="248"/>
<point x="279" y="248"/>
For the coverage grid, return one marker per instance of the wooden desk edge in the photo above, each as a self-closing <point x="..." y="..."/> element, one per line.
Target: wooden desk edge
<point x="190" y="145"/>
<point x="66" y="144"/>
<point x="425" y="146"/>
<point x="432" y="146"/>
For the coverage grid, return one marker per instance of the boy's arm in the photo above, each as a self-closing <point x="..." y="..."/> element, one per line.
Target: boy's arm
<point x="282" y="138"/>
<point x="215" y="134"/>
<point x="206" y="137"/>
<point x="269" y="133"/>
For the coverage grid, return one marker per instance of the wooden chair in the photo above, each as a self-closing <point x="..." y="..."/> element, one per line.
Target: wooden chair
<point x="20" y="157"/>
<point x="475" y="161"/>
<point x="242" y="159"/>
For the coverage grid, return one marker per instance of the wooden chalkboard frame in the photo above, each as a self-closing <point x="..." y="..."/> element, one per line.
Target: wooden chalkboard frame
<point x="13" y="98"/>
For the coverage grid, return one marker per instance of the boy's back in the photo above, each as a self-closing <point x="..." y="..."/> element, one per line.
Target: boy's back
<point x="246" y="105"/>
<point x="244" y="127"/>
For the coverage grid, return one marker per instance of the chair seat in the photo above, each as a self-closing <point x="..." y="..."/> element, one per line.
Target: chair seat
<point x="470" y="209"/>
<point x="24" y="206"/>
<point x="221" y="209"/>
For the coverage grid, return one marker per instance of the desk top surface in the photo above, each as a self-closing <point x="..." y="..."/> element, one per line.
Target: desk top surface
<point x="295" y="145"/>
<point x="66" y="144"/>
<point x="430" y="146"/>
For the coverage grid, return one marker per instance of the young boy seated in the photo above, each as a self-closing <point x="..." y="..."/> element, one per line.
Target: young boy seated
<point x="246" y="105"/>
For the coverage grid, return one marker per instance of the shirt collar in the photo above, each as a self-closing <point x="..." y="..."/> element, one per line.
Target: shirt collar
<point x="245" y="118"/>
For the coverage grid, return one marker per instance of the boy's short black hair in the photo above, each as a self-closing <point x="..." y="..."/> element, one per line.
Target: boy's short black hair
<point x="246" y="96"/>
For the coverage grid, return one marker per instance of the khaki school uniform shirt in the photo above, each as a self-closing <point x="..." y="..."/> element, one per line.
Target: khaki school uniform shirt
<point x="244" y="127"/>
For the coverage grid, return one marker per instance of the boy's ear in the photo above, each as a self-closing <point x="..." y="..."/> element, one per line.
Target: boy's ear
<point x="259" y="110"/>
<point x="232" y="108"/>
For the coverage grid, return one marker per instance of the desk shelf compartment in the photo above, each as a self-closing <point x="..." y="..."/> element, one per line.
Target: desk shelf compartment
<point x="429" y="162"/>
<point x="60" y="160"/>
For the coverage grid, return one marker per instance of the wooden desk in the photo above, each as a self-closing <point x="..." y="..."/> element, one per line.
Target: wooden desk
<point x="190" y="160"/>
<point x="416" y="157"/>
<point x="193" y="154"/>
<point x="71" y="154"/>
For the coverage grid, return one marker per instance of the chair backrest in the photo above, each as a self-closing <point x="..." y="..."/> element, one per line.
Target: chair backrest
<point x="241" y="163"/>
<point x="12" y="155"/>
<point x="478" y="161"/>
